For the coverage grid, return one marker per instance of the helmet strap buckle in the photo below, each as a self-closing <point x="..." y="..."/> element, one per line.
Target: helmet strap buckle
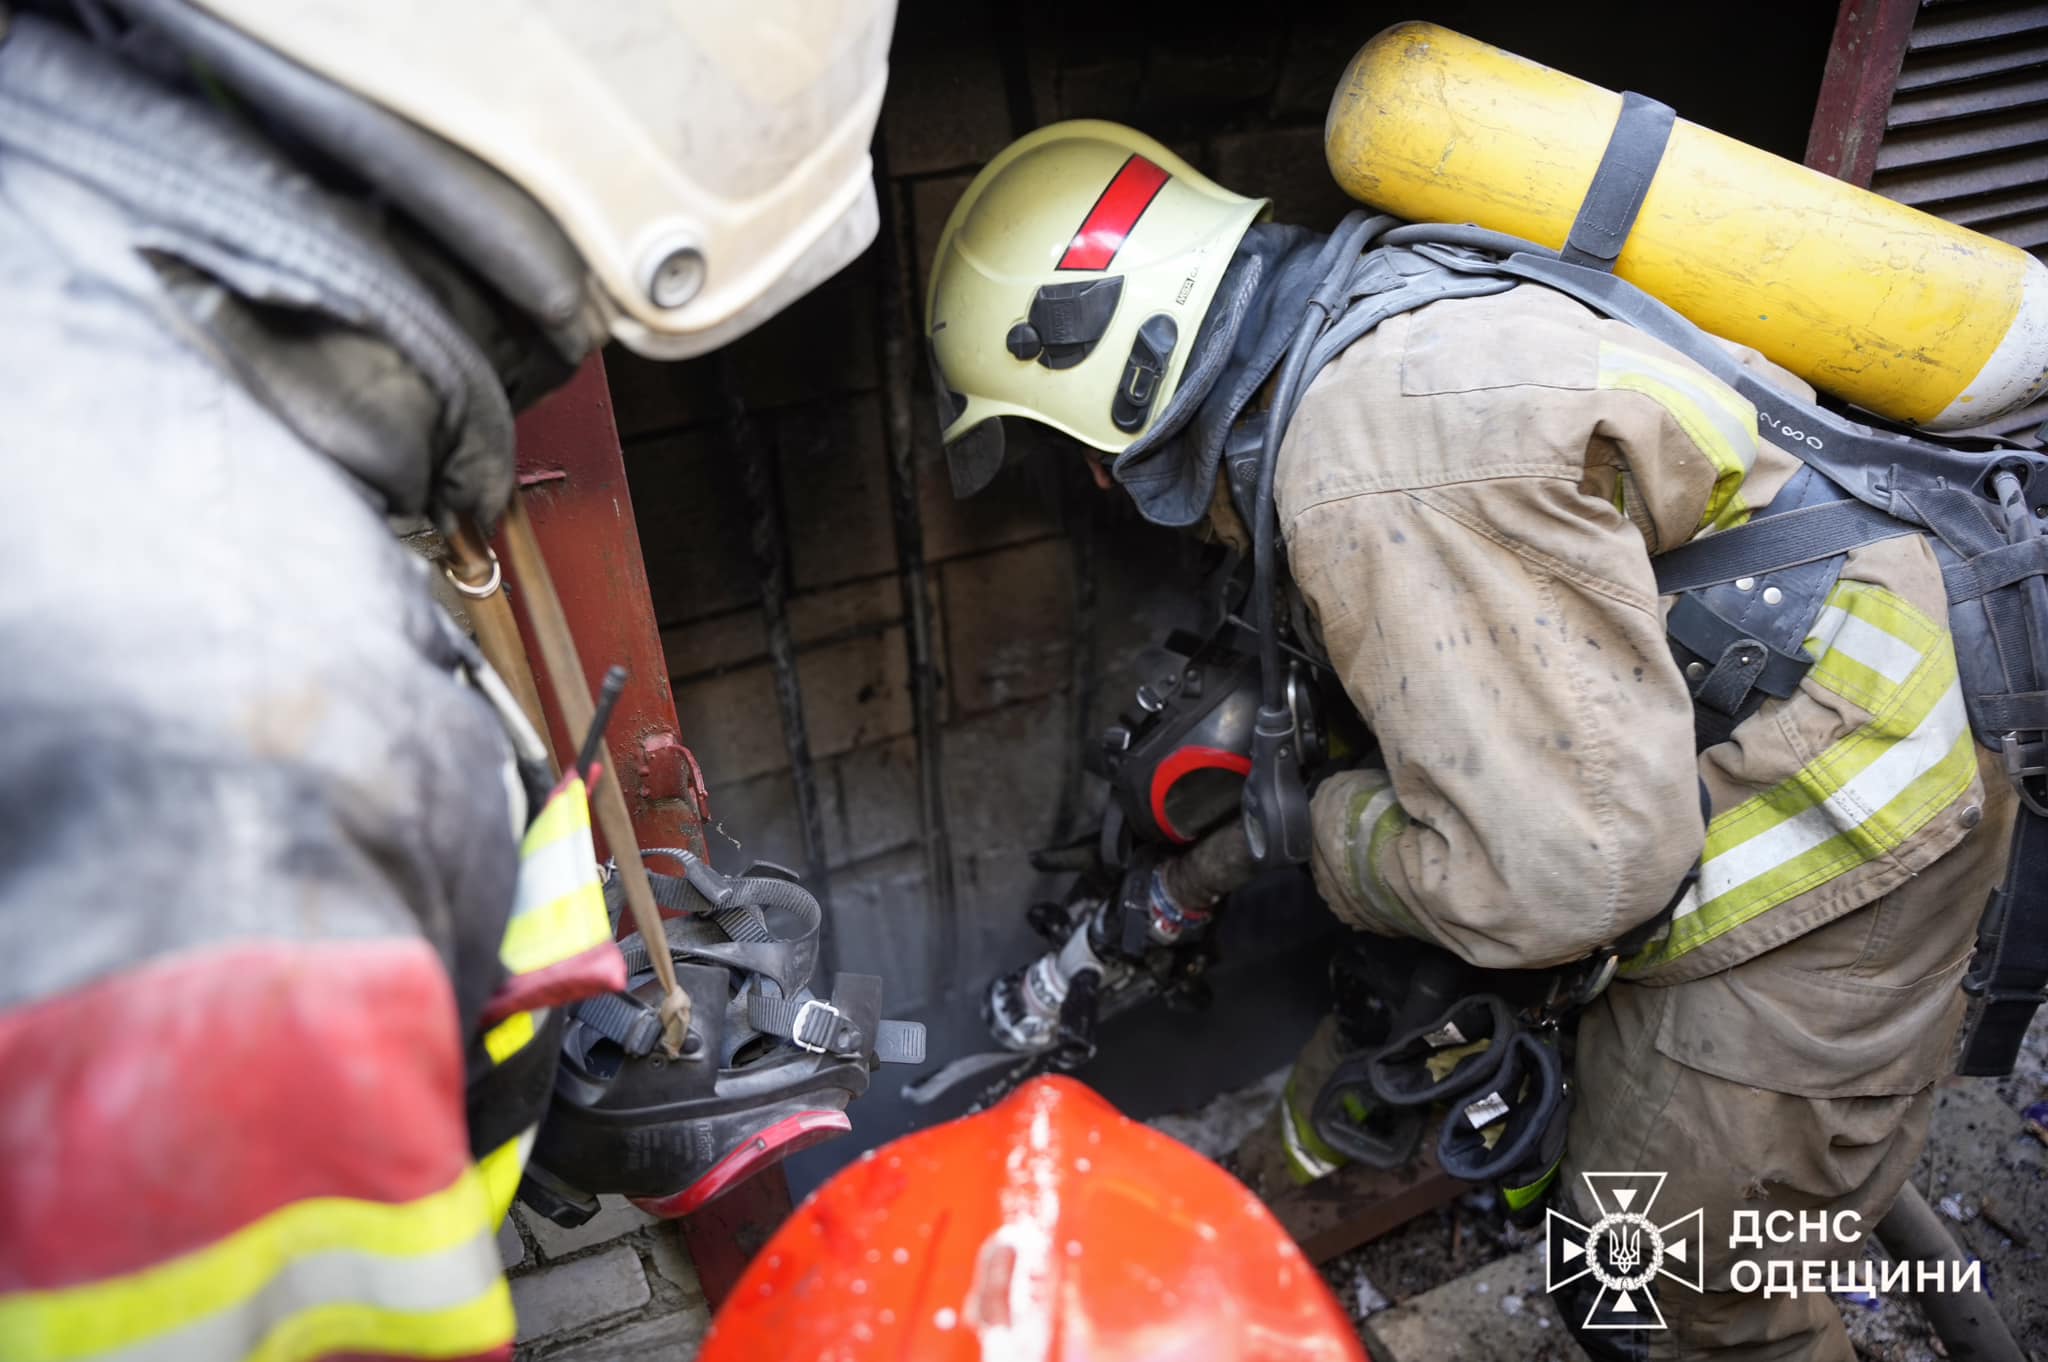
<point x="816" y="1024"/>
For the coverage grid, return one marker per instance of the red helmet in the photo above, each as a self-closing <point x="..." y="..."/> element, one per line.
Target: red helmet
<point x="1049" y="1229"/>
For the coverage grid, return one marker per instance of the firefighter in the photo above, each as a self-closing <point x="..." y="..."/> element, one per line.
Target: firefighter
<point x="1470" y="496"/>
<point x="270" y="274"/>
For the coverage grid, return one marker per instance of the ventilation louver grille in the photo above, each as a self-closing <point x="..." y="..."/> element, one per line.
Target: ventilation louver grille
<point x="1967" y="136"/>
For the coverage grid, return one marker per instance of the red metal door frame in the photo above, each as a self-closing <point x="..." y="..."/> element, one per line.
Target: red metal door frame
<point x="573" y="476"/>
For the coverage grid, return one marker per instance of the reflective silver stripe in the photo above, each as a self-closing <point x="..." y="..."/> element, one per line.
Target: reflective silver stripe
<point x="553" y="872"/>
<point x="1848" y="808"/>
<point x="1861" y="641"/>
<point x="1370" y="882"/>
<point x="1731" y="415"/>
<point x="376" y="1282"/>
<point x="1299" y="1154"/>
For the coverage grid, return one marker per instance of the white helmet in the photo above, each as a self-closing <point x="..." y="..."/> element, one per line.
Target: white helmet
<point x="1068" y="287"/>
<point x="706" y="159"/>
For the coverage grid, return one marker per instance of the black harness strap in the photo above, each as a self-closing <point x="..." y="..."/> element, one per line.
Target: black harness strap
<point x="627" y="1022"/>
<point x="2014" y="711"/>
<point x="1742" y="639"/>
<point x="1866" y="463"/>
<point x="1727" y="670"/>
<point x="739" y="937"/>
<point x="1786" y="539"/>
<point x="1995" y="568"/>
<point x="1620" y="183"/>
<point x="847" y="1025"/>
<point x="2011" y="963"/>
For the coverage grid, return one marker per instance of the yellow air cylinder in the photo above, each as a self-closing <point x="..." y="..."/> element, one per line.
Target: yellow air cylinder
<point x="1882" y="305"/>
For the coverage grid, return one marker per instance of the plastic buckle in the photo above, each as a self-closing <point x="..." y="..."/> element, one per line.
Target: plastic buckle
<point x="803" y="1016"/>
<point x="2029" y="777"/>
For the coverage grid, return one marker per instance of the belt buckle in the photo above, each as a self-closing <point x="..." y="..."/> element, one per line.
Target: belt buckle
<point x="803" y="1015"/>
<point x="2029" y="778"/>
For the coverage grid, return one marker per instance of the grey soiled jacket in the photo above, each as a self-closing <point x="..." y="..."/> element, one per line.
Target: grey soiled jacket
<point x="229" y="707"/>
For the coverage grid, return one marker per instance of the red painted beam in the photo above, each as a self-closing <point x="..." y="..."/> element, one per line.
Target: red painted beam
<point x="1856" y="90"/>
<point x="573" y="477"/>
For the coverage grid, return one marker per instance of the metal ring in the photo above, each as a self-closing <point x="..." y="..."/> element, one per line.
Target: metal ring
<point x="1295" y="704"/>
<point x="1593" y="987"/>
<point x="488" y="589"/>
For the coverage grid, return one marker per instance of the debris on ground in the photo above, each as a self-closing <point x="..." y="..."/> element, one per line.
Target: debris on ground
<point x="1460" y="1274"/>
<point x="1220" y="1126"/>
<point x="1419" y="1255"/>
<point x="1886" y="1328"/>
<point x="1470" y="1319"/>
<point x="2036" y="1118"/>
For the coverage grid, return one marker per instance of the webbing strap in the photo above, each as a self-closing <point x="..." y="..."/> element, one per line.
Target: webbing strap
<point x="1608" y="213"/>
<point x="821" y="1027"/>
<point x="742" y="923"/>
<point x="2012" y="956"/>
<point x="1776" y="541"/>
<point x="2012" y="712"/>
<point x="625" y="1021"/>
<point x="1994" y="568"/>
<point x="812" y="1024"/>
<point x="1867" y="463"/>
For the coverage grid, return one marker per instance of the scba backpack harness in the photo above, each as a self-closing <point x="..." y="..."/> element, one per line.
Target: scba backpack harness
<point x="1980" y="504"/>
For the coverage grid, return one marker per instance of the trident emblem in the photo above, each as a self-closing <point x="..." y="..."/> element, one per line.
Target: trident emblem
<point x="1625" y="1250"/>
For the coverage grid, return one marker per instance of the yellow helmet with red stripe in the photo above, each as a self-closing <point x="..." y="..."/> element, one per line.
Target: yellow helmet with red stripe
<point x="1068" y="287"/>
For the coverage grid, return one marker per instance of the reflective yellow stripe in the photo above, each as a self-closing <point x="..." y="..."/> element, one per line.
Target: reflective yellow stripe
<point x="556" y="856"/>
<point x="478" y="1326"/>
<point x="566" y="813"/>
<point x="1375" y="819"/>
<point x="1861" y="798"/>
<point x="500" y="1170"/>
<point x="1716" y="418"/>
<point x="508" y="1037"/>
<point x="553" y="871"/>
<point x="1308" y="1157"/>
<point x="1518" y="1197"/>
<point x="558" y="908"/>
<point x="329" y="1274"/>
<point x="555" y="931"/>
